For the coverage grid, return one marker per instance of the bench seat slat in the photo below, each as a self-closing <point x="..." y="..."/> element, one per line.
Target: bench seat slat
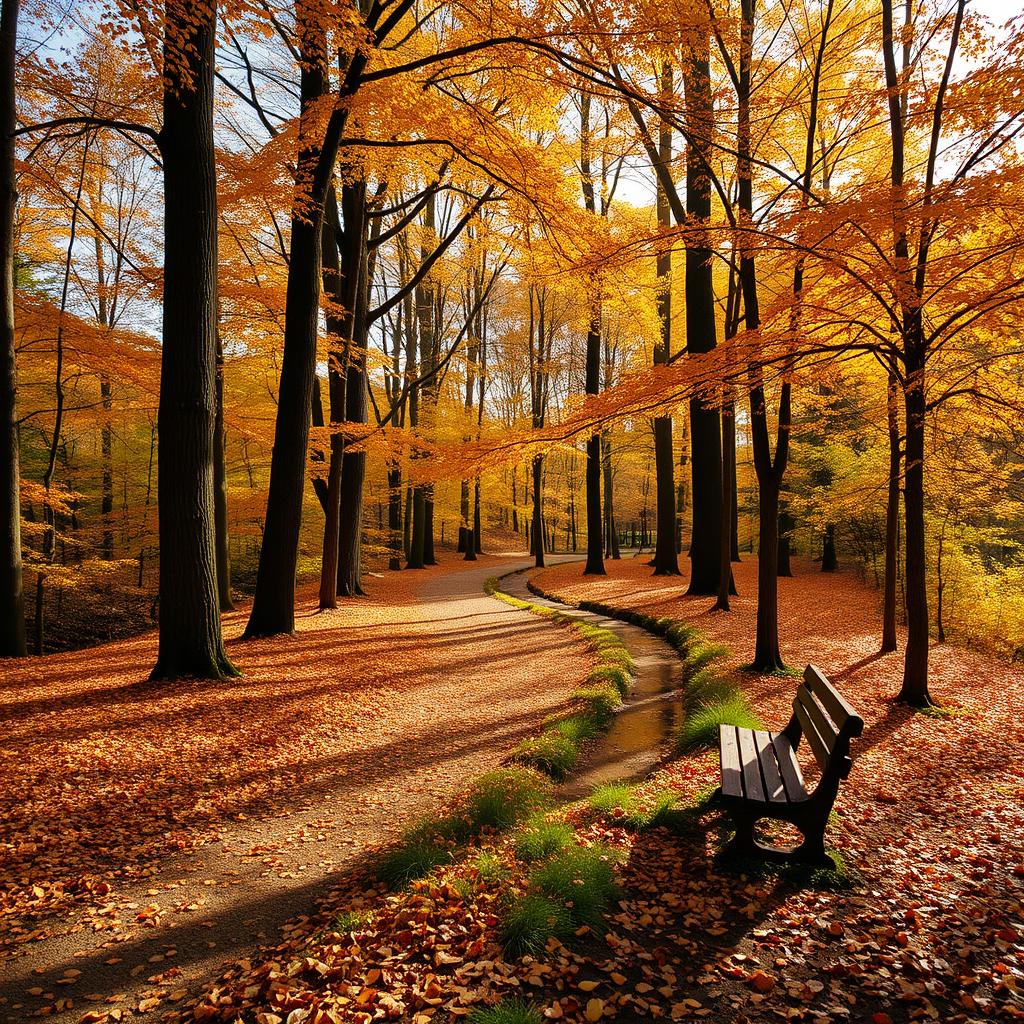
<point x="751" y="767"/>
<point x="792" y="777"/>
<point x="732" y="773"/>
<point x="775" y="790"/>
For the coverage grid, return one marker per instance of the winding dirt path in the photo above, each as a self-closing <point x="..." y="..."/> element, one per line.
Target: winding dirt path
<point x="148" y="834"/>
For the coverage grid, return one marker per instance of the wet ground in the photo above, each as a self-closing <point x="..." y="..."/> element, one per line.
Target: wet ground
<point x="641" y="732"/>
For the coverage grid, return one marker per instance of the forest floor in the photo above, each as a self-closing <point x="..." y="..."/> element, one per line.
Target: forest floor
<point x="148" y="832"/>
<point x="924" y="923"/>
<point x="137" y="817"/>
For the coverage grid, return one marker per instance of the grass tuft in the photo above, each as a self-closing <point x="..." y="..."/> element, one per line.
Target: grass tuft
<point x="411" y="861"/>
<point x="540" y="839"/>
<point x="613" y="675"/>
<point x="552" y="753"/>
<point x="530" y="921"/>
<point x="506" y="796"/>
<point x="508" y="1011"/>
<point x="580" y="879"/>
<point x="576" y="728"/>
<point x="600" y="702"/>
<point x="700" y="728"/>
<point x="621" y="804"/>
<point x="351" y="920"/>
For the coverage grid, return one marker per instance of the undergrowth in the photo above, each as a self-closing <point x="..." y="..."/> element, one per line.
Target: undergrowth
<point x="496" y="802"/>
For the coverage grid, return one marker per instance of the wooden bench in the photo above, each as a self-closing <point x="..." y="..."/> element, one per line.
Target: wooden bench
<point x="762" y="779"/>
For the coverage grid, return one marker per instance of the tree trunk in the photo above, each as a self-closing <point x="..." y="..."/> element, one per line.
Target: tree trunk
<point x="829" y="561"/>
<point x="785" y="530"/>
<point x="537" y="529"/>
<point x="429" y="556"/>
<point x="705" y="426"/>
<point x="395" y="516"/>
<point x="595" y="561"/>
<point x="273" y="609"/>
<point x="892" y="520"/>
<point x="190" y="635"/>
<point x="354" y="273"/>
<point x="106" y="457"/>
<point x="12" y="597"/>
<point x="725" y="584"/>
<point x="477" y="529"/>
<point x="767" y="657"/>
<point x="666" y="561"/>
<point x="915" y="666"/>
<point x="415" y="559"/>
<point x="220" y="492"/>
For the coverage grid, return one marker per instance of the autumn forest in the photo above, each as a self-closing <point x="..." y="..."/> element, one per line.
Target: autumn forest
<point x="441" y="448"/>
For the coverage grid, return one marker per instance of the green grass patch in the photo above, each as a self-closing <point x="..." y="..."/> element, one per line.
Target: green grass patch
<point x="580" y="879"/>
<point x="502" y="798"/>
<point x="351" y="920"/>
<point x="707" y="687"/>
<point x="540" y="839"/>
<point x="508" y="1011"/>
<point x="700" y="728"/>
<point x="530" y="921"/>
<point x="552" y="753"/>
<point x="611" y="675"/>
<point x="576" y="728"/>
<point x="600" y="702"/>
<point x="622" y="804"/>
<point x="412" y="860"/>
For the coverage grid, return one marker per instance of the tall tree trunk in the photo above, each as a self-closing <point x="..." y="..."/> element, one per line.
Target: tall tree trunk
<point x="725" y="582"/>
<point x="355" y="274"/>
<point x="220" y="492"/>
<point x="273" y="609"/>
<point x="892" y="518"/>
<point x="595" y="561"/>
<point x="339" y="326"/>
<point x="190" y="635"/>
<point x="915" y="667"/>
<point x="705" y="425"/>
<point x="611" y="531"/>
<point x="12" y="597"/>
<point x="829" y="561"/>
<point x="666" y="562"/>
<point x="785" y="531"/>
<point x="537" y="528"/>
<point x="395" y="516"/>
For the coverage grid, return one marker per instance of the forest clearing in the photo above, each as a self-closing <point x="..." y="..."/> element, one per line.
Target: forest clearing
<point x="511" y="511"/>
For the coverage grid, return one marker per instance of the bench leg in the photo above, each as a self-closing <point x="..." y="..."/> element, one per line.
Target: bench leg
<point x="742" y="843"/>
<point x="812" y="849"/>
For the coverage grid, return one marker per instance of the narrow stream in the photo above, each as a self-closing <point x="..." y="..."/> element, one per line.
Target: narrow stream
<point x="653" y="713"/>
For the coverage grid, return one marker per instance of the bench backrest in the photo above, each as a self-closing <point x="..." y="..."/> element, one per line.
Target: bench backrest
<point x="822" y="715"/>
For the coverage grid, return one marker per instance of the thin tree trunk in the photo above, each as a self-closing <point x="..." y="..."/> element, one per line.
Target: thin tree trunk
<point x="725" y="583"/>
<point x="537" y="529"/>
<point x="12" y="597"/>
<point x="892" y="519"/>
<point x="190" y="634"/>
<point x="829" y="561"/>
<point x="220" y="492"/>
<point x="666" y="562"/>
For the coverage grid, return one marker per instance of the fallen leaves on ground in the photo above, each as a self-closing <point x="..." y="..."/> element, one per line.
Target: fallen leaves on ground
<point x="930" y="823"/>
